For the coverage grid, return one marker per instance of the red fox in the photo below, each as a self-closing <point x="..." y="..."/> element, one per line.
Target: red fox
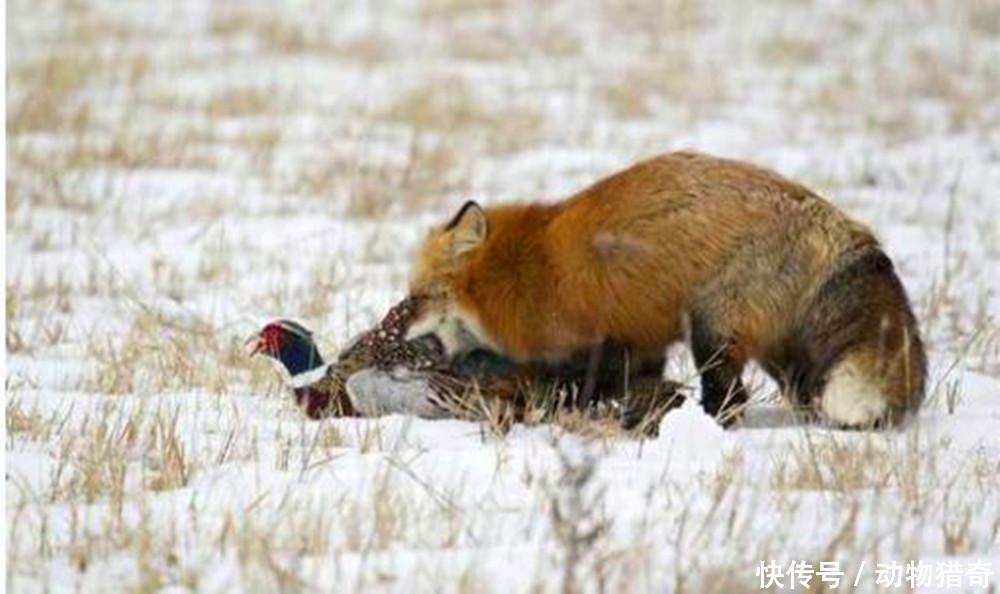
<point x="744" y="263"/>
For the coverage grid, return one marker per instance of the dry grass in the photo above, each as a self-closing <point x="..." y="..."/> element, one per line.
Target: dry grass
<point x="461" y="115"/>
<point x="31" y="423"/>
<point x="47" y="89"/>
<point x="155" y="355"/>
<point x="241" y="103"/>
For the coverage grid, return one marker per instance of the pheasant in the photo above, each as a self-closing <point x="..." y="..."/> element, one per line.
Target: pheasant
<point x="381" y="361"/>
<point x="380" y="372"/>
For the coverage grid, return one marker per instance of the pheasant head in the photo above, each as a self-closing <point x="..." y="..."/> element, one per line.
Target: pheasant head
<point x="321" y="389"/>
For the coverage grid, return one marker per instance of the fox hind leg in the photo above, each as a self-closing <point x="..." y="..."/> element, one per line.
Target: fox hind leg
<point x="720" y="364"/>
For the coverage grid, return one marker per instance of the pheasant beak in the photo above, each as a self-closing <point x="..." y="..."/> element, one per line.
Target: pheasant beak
<point x="255" y="345"/>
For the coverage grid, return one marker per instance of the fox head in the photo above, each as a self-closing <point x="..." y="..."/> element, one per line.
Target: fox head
<point x="440" y="282"/>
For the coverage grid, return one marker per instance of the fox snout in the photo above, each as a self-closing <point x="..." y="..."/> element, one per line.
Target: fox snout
<point x="438" y="321"/>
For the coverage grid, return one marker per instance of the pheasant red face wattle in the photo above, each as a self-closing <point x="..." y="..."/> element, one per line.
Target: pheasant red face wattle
<point x="271" y="339"/>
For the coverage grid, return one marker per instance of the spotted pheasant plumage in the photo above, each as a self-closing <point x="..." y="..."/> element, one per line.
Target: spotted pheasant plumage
<point x="384" y="347"/>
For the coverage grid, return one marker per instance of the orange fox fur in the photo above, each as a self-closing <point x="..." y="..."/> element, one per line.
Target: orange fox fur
<point x="747" y="264"/>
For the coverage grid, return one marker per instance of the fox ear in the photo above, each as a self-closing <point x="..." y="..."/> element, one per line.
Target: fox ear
<point x="468" y="228"/>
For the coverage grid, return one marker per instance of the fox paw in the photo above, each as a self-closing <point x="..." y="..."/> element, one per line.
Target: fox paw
<point x="646" y="406"/>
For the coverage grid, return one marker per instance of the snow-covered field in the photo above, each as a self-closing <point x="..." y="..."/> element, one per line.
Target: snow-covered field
<point x="180" y="172"/>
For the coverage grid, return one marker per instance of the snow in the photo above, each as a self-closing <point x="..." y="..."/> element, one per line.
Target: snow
<point x="181" y="173"/>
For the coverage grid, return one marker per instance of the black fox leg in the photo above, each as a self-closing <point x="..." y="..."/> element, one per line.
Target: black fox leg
<point x="722" y="393"/>
<point x="595" y="373"/>
<point x="615" y="372"/>
<point x="649" y="399"/>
